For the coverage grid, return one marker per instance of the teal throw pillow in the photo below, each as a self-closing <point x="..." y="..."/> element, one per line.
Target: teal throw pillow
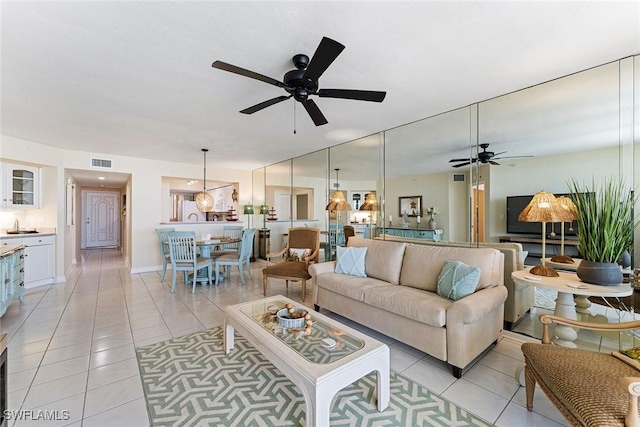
<point x="457" y="280"/>
<point x="351" y="261"/>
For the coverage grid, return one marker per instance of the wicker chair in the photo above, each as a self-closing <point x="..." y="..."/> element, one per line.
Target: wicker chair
<point x="293" y="267"/>
<point x="588" y="388"/>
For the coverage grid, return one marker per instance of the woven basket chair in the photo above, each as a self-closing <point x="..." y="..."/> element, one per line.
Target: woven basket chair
<point x="588" y="388"/>
<point x="293" y="268"/>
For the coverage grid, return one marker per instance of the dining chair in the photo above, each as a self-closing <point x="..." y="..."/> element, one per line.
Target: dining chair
<point x="239" y="259"/>
<point x="234" y="231"/>
<point x="303" y="247"/>
<point x="349" y="231"/>
<point x="164" y="248"/>
<point x="184" y="257"/>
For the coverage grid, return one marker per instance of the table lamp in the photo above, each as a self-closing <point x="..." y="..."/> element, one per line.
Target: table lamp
<point x="264" y="211"/>
<point x="543" y="208"/>
<point x="248" y="211"/>
<point x="338" y="203"/>
<point x="570" y="210"/>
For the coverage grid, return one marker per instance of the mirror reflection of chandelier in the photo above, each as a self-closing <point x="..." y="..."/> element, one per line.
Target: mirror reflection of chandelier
<point x="338" y="202"/>
<point x="204" y="200"/>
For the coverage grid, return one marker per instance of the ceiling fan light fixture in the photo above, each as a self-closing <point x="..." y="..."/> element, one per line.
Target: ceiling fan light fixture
<point x="204" y="200"/>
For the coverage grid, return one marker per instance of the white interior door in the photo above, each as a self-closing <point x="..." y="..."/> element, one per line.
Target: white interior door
<point x="102" y="218"/>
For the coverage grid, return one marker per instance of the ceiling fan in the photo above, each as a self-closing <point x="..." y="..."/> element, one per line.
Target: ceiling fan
<point x="484" y="157"/>
<point x="303" y="81"/>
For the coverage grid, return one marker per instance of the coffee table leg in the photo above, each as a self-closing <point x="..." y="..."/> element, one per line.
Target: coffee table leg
<point x="228" y="337"/>
<point x="319" y="407"/>
<point x="384" y="393"/>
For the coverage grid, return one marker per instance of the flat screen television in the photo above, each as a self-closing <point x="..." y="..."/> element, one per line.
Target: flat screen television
<point x="515" y="205"/>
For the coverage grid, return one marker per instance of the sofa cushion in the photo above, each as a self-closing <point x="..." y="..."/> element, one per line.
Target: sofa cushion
<point x="425" y="307"/>
<point x="383" y="260"/>
<point x="350" y="286"/>
<point x="351" y="261"/>
<point x="457" y="280"/>
<point x="422" y="265"/>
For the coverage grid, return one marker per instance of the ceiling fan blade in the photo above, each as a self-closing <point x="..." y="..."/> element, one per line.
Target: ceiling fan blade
<point x="243" y="72"/>
<point x="359" y="95"/>
<point x="511" y="157"/>
<point x="494" y="163"/>
<point x="462" y="164"/>
<point x="497" y="154"/>
<point x="315" y="113"/>
<point x="265" y="104"/>
<point x="461" y="160"/>
<point x="327" y="51"/>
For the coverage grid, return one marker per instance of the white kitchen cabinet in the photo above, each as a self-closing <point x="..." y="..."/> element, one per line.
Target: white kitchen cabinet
<point x="38" y="258"/>
<point x="22" y="186"/>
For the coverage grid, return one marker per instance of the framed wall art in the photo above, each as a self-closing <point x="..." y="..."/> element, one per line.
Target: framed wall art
<point x="412" y="205"/>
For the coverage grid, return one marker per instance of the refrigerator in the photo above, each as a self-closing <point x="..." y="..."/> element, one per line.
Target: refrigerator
<point x="190" y="213"/>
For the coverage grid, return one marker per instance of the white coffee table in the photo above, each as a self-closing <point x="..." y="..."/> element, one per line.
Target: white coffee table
<point x="319" y="372"/>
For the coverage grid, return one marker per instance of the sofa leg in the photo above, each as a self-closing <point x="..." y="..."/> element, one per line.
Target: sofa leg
<point x="457" y="372"/>
<point x="316" y="307"/>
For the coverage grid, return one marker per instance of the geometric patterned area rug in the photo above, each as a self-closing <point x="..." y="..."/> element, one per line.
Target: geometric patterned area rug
<point x="190" y="381"/>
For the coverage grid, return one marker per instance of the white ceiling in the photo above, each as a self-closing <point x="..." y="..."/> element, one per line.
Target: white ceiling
<point x="135" y="78"/>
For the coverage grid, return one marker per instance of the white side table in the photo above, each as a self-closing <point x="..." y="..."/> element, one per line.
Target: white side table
<point x="565" y="305"/>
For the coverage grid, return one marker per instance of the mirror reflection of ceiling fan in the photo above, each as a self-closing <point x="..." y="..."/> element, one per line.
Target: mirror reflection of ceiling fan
<point x="484" y="157"/>
<point x="302" y="82"/>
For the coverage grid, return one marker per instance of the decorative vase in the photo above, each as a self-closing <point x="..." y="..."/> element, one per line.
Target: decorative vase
<point x="625" y="259"/>
<point x="599" y="273"/>
<point x="432" y="224"/>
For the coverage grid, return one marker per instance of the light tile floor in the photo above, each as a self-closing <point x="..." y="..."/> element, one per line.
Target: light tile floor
<point x="72" y="347"/>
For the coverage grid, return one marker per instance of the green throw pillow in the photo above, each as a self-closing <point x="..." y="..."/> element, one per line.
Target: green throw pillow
<point x="351" y="261"/>
<point x="457" y="280"/>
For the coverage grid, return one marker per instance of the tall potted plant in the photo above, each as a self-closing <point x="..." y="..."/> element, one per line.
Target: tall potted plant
<point x="606" y="223"/>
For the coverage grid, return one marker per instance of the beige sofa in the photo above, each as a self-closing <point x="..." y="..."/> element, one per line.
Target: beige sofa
<point x="398" y="298"/>
<point x="520" y="298"/>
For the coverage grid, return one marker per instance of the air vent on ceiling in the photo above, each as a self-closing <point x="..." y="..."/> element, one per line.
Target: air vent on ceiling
<point x="101" y="163"/>
<point x="458" y="177"/>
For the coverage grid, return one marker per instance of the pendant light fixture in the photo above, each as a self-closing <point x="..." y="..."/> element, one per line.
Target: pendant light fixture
<point x="338" y="202"/>
<point x="204" y="200"/>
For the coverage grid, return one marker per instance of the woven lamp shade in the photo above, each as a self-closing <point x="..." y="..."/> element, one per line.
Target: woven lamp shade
<point x="567" y="204"/>
<point x="370" y="203"/>
<point x="338" y="203"/>
<point x="248" y="209"/>
<point x="264" y="210"/>
<point x="544" y="207"/>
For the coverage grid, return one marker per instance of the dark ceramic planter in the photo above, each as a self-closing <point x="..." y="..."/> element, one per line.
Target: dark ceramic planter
<point x="599" y="273"/>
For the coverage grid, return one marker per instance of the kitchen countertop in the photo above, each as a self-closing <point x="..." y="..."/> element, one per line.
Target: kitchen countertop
<point x="9" y="248"/>
<point x="44" y="231"/>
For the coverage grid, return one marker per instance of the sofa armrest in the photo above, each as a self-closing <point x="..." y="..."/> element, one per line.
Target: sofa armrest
<point x="477" y="305"/>
<point x="322" y="267"/>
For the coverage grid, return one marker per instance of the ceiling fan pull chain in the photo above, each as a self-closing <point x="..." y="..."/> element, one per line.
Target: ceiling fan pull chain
<point x="294" y="118"/>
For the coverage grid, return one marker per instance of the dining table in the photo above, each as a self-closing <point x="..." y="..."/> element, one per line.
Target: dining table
<point x="207" y="246"/>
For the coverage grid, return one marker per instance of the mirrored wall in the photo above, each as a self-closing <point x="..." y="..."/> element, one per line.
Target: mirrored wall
<point x="463" y="164"/>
